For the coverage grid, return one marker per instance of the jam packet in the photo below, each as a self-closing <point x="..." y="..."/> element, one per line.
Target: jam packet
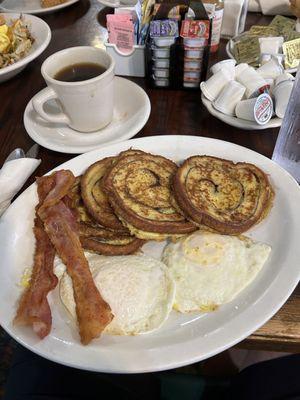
<point x="163" y="28"/>
<point x="195" y="29"/>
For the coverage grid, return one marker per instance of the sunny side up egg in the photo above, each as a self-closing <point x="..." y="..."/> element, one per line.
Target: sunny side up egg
<point x="139" y="290"/>
<point x="211" y="269"/>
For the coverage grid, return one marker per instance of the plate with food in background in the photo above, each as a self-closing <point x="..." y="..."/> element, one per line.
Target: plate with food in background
<point x="154" y="253"/>
<point x="23" y="38"/>
<point x="35" y="6"/>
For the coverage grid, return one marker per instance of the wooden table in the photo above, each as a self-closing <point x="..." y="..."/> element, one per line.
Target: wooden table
<point x="173" y="113"/>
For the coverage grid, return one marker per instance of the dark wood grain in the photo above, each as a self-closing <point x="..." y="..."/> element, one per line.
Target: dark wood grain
<point x="173" y="113"/>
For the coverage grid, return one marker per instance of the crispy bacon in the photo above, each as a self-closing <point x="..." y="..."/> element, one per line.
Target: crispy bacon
<point x="93" y="313"/>
<point x="33" y="307"/>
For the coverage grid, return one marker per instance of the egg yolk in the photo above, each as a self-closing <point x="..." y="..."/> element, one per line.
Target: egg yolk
<point x="4" y="39"/>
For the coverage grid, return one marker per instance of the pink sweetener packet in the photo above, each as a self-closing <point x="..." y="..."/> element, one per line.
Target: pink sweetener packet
<point x="121" y="31"/>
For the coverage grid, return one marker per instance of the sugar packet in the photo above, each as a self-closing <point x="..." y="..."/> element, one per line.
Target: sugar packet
<point x="195" y="29"/>
<point x="121" y="31"/>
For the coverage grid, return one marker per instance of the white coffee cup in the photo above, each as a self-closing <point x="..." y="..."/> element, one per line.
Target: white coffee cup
<point x="87" y="105"/>
<point x="230" y="95"/>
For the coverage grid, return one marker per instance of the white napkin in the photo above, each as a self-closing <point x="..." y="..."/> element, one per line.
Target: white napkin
<point x="270" y="7"/>
<point x="234" y="17"/>
<point x="13" y="175"/>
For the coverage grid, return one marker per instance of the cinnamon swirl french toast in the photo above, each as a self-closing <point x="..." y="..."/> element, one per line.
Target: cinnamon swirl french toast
<point x="139" y="190"/>
<point x="222" y="195"/>
<point x="95" y="237"/>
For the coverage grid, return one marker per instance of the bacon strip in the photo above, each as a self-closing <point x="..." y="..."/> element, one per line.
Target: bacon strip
<point x="33" y="307"/>
<point x="93" y="313"/>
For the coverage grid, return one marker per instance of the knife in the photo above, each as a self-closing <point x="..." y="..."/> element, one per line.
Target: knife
<point x="17" y="153"/>
<point x="33" y="151"/>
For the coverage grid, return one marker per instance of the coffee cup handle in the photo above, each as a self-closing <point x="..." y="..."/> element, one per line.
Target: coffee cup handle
<point x="38" y="104"/>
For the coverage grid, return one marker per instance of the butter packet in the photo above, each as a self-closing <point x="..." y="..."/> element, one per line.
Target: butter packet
<point x="291" y="50"/>
<point x="283" y="24"/>
<point x="262" y="30"/>
<point x="247" y="51"/>
<point x="291" y="35"/>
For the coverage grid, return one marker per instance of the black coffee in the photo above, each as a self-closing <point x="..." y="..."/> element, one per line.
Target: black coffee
<point x="79" y="72"/>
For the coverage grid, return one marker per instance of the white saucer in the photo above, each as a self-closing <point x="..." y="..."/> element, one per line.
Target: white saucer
<point x="238" y="122"/>
<point x="131" y="112"/>
<point x="115" y="3"/>
<point x="31" y="6"/>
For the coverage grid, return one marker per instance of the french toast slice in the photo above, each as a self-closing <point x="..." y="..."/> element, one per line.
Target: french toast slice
<point x="51" y="3"/>
<point x="222" y="195"/>
<point x="95" y="237"/>
<point x="139" y="190"/>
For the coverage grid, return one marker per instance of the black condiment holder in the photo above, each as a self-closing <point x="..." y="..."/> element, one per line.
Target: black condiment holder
<point x="176" y="69"/>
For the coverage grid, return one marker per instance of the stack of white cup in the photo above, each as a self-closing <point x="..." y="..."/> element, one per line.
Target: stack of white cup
<point x="244" y="92"/>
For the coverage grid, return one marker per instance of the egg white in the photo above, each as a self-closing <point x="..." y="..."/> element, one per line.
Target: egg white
<point x="211" y="269"/>
<point x="139" y="290"/>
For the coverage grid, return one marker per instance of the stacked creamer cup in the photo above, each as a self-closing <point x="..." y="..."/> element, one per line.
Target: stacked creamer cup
<point x="195" y="34"/>
<point x="193" y="60"/>
<point x="163" y="34"/>
<point x="246" y="93"/>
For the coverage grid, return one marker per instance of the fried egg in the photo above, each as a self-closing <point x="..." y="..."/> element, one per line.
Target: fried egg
<point x="139" y="290"/>
<point x="211" y="269"/>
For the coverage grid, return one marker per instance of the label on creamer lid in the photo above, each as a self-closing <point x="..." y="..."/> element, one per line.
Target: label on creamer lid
<point x="263" y="109"/>
<point x="195" y="29"/>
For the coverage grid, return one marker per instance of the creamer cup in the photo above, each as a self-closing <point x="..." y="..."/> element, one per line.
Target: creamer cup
<point x="213" y="86"/>
<point x="284" y="77"/>
<point x="271" y="69"/>
<point x="253" y="82"/>
<point x="228" y="64"/>
<point x="282" y="94"/>
<point x="230" y="95"/>
<point x="238" y="69"/>
<point x="258" y="109"/>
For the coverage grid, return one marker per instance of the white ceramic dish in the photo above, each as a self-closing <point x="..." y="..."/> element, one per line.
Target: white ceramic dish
<point x="184" y="338"/>
<point x="116" y="3"/>
<point x="275" y="122"/>
<point x="229" y="51"/>
<point x="42" y="36"/>
<point x="131" y="112"/>
<point x="31" y="6"/>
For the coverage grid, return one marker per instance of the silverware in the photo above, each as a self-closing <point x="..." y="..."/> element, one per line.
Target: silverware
<point x="15" y="154"/>
<point x="33" y="151"/>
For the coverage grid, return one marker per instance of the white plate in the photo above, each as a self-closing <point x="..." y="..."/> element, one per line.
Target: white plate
<point x="230" y="54"/>
<point x="238" y="122"/>
<point x="31" y="6"/>
<point x="42" y="35"/>
<point x="131" y="112"/>
<point x="115" y="3"/>
<point x="183" y="339"/>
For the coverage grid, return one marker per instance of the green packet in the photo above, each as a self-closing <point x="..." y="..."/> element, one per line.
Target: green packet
<point x="262" y="30"/>
<point x="282" y="24"/>
<point x="291" y="35"/>
<point x="247" y="51"/>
